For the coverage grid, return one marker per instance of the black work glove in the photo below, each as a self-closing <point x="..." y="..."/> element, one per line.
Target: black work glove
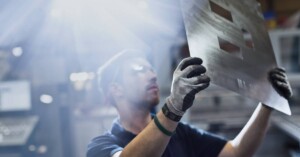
<point x="188" y="79"/>
<point x="280" y="82"/>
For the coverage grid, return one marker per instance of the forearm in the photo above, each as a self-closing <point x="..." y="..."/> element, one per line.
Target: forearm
<point x="151" y="142"/>
<point x="249" y="139"/>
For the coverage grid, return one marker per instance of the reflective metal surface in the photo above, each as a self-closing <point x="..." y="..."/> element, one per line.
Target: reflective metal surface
<point x="231" y="38"/>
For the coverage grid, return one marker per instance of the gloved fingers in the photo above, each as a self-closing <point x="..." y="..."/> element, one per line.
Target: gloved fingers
<point x="281" y="84"/>
<point x="289" y="94"/>
<point x="277" y="77"/>
<point x="283" y="88"/>
<point x="198" y="87"/>
<point x="194" y="71"/>
<point x="286" y="93"/>
<point x="197" y="80"/>
<point x="202" y="79"/>
<point x="280" y="69"/>
<point x="189" y="61"/>
<point x="277" y="71"/>
<point x="202" y="86"/>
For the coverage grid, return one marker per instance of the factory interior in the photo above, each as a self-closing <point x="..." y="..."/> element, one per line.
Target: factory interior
<point x="50" y="50"/>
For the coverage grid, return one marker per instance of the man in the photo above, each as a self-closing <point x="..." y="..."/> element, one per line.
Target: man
<point x="129" y="83"/>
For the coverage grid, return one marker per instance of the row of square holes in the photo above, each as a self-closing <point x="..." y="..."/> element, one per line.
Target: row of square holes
<point x="224" y="44"/>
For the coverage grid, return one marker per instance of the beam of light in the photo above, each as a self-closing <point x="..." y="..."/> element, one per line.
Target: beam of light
<point x="102" y="25"/>
<point x="84" y="33"/>
<point x="17" y="19"/>
<point x="86" y="26"/>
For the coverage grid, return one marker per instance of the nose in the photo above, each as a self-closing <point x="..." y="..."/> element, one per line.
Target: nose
<point x="152" y="75"/>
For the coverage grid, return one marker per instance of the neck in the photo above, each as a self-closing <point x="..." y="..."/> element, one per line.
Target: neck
<point x="134" y="119"/>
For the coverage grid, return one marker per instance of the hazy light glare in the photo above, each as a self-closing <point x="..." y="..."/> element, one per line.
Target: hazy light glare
<point x="47" y="99"/>
<point x="17" y="51"/>
<point x="55" y="13"/>
<point x="116" y="23"/>
<point x="82" y="76"/>
<point x="143" y="5"/>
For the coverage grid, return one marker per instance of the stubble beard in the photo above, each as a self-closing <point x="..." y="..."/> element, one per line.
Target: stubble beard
<point x="148" y="104"/>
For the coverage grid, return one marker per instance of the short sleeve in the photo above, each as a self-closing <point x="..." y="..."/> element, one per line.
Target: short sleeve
<point x="204" y="144"/>
<point x="103" y="146"/>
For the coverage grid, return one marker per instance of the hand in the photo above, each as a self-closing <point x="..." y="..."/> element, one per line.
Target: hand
<point x="279" y="81"/>
<point x="188" y="80"/>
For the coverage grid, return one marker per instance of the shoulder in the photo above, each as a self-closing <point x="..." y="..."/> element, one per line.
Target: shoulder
<point x="103" y="146"/>
<point x="105" y="138"/>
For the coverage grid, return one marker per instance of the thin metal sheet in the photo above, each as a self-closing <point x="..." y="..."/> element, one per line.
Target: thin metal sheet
<point x="230" y="37"/>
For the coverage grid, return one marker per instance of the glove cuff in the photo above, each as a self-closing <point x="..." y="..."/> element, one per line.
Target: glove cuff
<point x="172" y="108"/>
<point x="170" y="115"/>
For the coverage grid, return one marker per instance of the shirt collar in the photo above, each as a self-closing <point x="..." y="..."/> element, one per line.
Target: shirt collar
<point x="120" y="132"/>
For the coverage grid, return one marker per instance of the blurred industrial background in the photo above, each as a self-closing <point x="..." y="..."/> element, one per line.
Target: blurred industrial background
<point x="50" y="51"/>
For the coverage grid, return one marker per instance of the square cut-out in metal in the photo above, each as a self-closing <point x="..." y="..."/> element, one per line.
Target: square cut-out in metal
<point x="220" y="11"/>
<point x="248" y="73"/>
<point x="230" y="48"/>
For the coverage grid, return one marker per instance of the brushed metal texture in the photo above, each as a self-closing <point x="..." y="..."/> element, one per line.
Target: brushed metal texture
<point x="231" y="38"/>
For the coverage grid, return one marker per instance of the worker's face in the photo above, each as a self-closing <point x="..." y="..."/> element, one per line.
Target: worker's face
<point x="139" y="83"/>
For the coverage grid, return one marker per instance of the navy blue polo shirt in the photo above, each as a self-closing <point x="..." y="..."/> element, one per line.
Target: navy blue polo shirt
<point x="186" y="142"/>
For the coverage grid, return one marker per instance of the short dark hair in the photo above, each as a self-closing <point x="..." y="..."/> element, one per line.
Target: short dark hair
<point x="110" y="70"/>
